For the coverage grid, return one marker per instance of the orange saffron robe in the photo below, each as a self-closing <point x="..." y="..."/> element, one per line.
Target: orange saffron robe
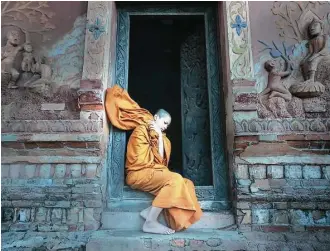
<point x="146" y="169"/>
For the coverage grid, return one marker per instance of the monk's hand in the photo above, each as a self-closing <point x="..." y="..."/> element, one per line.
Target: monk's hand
<point x="154" y="127"/>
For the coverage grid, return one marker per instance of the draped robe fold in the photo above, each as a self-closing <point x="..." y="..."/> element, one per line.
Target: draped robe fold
<point x="146" y="169"/>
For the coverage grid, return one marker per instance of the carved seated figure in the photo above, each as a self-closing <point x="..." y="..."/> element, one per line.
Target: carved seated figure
<point x="8" y="56"/>
<point x="317" y="52"/>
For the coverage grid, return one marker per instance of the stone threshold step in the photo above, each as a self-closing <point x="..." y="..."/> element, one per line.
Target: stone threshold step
<point x="207" y="240"/>
<point x="133" y="220"/>
<point x="191" y="239"/>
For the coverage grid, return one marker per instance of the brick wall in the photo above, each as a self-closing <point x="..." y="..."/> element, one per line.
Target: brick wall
<point x="53" y="181"/>
<point x="278" y="194"/>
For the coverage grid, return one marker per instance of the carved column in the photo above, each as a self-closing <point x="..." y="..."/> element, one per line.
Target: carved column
<point x="99" y="45"/>
<point x="241" y="60"/>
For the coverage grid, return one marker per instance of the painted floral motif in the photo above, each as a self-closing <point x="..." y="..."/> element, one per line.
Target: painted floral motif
<point x="97" y="28"/>
<point x="239" y="25"/>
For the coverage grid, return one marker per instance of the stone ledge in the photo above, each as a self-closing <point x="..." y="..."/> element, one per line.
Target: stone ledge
<point x="52" y="159"/>
<point x="51" y="126"/>
<point x="24" y="137"/>
<point x="281" y="126"/>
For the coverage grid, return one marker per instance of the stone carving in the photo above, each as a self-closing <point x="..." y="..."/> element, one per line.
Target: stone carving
<point x="286" y="125"/>
<point x="9" y="74"/>
<point x="276" y="100"/>
<point x="96" y="52"/>
<point x="27" y="61"/>
<point x="317" y="53"/>
<point x="295" y="17"/>
<point x="24" y="13"/>
<point x="48" y="126"/>
<point x="240" y="53"/>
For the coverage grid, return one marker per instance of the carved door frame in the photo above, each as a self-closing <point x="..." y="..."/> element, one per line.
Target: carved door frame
<point x="211" y="197"/>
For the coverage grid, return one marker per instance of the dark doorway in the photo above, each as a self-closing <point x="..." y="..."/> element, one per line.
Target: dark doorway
<point x="155" y="81"/>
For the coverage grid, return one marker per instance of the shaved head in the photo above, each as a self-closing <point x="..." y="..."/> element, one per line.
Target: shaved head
<point x="161" y="113"/>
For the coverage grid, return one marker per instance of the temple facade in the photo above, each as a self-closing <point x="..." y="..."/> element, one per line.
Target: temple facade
<point x="252" y="107"/>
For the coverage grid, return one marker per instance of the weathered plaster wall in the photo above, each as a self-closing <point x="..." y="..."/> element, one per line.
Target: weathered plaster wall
<point x="281" y="164"/>
<point x="53" y="175"/>
<point x="56" y="31"/>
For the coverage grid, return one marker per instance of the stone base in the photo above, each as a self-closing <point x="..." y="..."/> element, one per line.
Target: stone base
<point x="307" y="89"/>
<point x="133" y="220"/>
<point x="207" y="240"/>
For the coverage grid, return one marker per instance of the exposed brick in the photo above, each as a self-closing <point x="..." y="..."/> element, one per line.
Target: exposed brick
<point x="91" y="170"/>
<point x="243" y="205"/>
<point x="60" y="204"/>
<point x="5" y="170"/>
<point x="246" y="217"/>
<point x="260" y="216"/>
<point x="93" y="145"/>
<point x="302" y="205"/>
<point x="30" y="171"/>
<point x="60" y="170"/>
<point x="45" y="170"/>
<point x="293" y="172"/>
<point x="90" y="84"/>
<point x="242" y="172"/>
<point x="261" y="205"/>
<point x="257" y="172"/>
<point x="91" y="107"/>
<point x="311" y="172"/>
<point x="50" y="144"/>
<point x="15" y="145"/>
<point x="52" y="227"/>
<point x="14" y="170"/>
<point x="327" y="146"/>
<point x="317" y="137"/>
<point x="316" y="145"/>
<point x="93" y="203"/>
<point x="317" y="228"/>
<point x="326" y="172"/>
<point x="241" y="145"/>
<point x="75" y="170"/>
<point x="280" y="217"/>
<point x="247" y="139"/>
<point x="275" y="172"/>
<point x="258" y="185"/>
<point x="180" y="243"/>
<point x="76" y="144"/>
<point x="291" y="137"/>
<point x="299" y="144"/>
<point x="280" y="205"/>
<point x="89" y="222"/>
<point x="323" y="205"/>
<point x="31" y="145"/>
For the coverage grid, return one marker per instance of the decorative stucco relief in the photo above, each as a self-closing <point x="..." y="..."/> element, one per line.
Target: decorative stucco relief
<point x="97" y="37"/>
<point x="239" y="40"/>
<point x="304" y="29"/>
<point x="282" y="126"/>
<point x="25" y="14"/>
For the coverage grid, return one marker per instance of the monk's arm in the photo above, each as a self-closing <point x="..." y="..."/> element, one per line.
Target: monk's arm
<point x="139" y="149"/>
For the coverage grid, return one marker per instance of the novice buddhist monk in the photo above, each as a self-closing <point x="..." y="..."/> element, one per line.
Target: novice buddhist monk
<point x="148" y="154"/>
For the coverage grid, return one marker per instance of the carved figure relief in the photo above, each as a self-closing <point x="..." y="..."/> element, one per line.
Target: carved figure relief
<point x="309" y="81"/>
<point x="8" y="56"/>
<point x="276" y="100"/>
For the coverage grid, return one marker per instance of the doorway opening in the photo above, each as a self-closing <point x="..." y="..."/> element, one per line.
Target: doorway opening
<point x="167" y="69"/>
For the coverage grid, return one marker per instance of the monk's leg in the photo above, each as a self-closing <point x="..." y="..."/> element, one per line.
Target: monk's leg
<point x="145" y="212"/>
<point x="151" y="224"/>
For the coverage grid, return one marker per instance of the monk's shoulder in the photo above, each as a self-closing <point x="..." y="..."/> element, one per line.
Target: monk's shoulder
<point x="140" y="130"/>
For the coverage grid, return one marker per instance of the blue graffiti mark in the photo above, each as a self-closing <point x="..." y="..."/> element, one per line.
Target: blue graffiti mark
<point x="67" y="55"/>
<point x="97" y="28"/>
<point x="239" y="25"/>
<point x="276" y="52"/>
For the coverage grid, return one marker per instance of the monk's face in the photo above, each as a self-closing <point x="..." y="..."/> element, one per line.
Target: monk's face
<point x="162" y="122"/>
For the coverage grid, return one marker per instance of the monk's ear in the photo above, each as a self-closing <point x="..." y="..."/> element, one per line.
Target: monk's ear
<point x="156" y="117"/>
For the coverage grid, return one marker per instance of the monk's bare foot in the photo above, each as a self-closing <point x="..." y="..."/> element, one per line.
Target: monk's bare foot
<point x="155" y="227"/>
<point x="145" y="212"/>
